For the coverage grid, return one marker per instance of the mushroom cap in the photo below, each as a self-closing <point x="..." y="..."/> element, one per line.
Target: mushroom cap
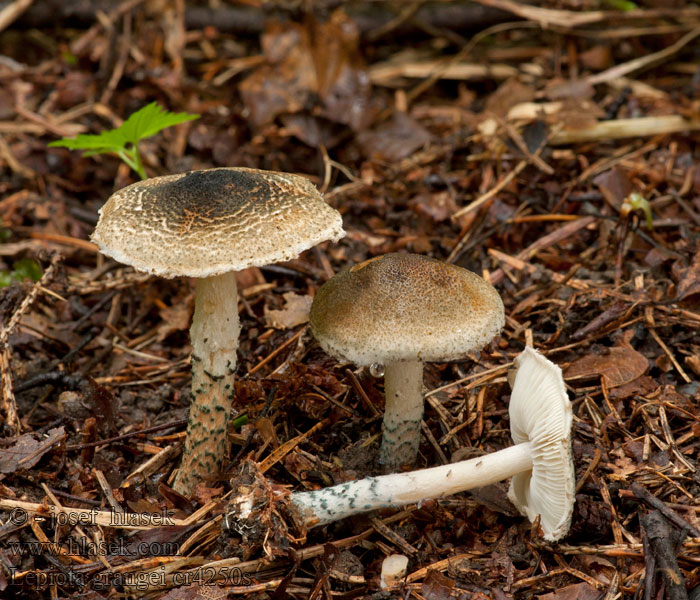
<point x="209" y="222"/>
<point x="400" y="307"/>
<point x="540" y="413"/>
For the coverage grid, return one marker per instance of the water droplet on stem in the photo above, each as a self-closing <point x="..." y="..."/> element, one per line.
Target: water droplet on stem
<point x="376" y="370"/>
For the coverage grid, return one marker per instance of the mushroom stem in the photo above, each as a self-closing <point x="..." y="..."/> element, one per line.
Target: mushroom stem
<point x="403" y="388"/>
<point x="324" y="506"/>
<point x="214" y="335"/>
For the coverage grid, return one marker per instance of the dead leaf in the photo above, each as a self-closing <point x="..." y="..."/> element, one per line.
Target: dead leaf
<point x="693" y="362"/>
<point x="689" y="284"/>
<point x="286" y="82"/>
<point x="558" y="89"/>
<point x="577" y="591"/>
<point x="27" y="450"/>
<point x="509" y="93"/>
<point x="599" y="567"/>
<point x="204" y="495"/>
<point x="597" y="58"/>
<point x="306" y="65"/>
<point x="209" y="591"/>
<point x="176" y="317"/>
<point x="619" y="365"/>
<point x="439" y="206"/>
<point x="295" y="312"/>
<point x="343" y="81"/>
<point x="395" y="139"/>
<point x="436" y="586"/>
<point x="615" y="186"/>
<point x="640" y="386"/>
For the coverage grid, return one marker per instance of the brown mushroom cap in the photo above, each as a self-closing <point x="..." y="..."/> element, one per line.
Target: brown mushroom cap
<point x="401" y="307"/>
<point x="208" y="222"/>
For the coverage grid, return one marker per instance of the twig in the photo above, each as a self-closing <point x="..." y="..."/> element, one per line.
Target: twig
<point x="531" y="156"/>
<point x="8" y="397"/>
<point x="119" y="438"/>
<point x="279" y="453"/>
<point x="155" y="462"/>
<point x="643" y="61"/>
<point x="277" y="350"/>
<point x="357" y="386"/>
<point x="492" y="192"/>
<point x="659" y="535"/>
<point x="625" y="128"/>
<point x="547" y="17"/>
<point x="11" y="160"/>
<point x="12" y="11"/>
<point x="668" y="353"/>
<point x="653" y="502"/>
<point x="550" y="239"/>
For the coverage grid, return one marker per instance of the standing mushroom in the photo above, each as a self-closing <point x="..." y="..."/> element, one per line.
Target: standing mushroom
<point x="209" y="224"/>
<point x="398" y="311"/>
<point x="540" y="463"/>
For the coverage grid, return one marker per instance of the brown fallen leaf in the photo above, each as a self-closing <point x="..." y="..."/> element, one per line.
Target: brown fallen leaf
<point x="619" y="365"/>
<point x="395" y="139"/>
<point x="640" y="386"/>
<point x="577" y="591"/>
<point x="27" y="450"/>
<point x="508" y="94"/>
<point x="689" y="284"/>
<point x="615" y="186"/>
<point x="437" y="586"/>
<point x="295" y="312"/>
<point x="311" y="64"/>
<point x="208" y="591"/>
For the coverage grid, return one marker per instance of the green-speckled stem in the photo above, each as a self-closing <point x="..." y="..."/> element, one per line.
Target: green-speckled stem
<point x="400" y="489"/>
<point x="214" y="335"/>
<point x="403" y="388"/>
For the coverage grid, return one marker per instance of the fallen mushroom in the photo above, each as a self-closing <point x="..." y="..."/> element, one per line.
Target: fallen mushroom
<point x="208" y="224"/>
<point x="394" y="569"/>
<point x="398" y="311"/>
<point x="540" y="462"/>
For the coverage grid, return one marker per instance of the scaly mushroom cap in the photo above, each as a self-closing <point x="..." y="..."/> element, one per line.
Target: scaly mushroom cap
<point x="401" y="307"/>
<point x="540" y="413"/>
<point x="209" y="222"/>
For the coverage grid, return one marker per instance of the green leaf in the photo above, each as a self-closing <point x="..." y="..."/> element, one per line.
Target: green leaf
<point x="636" y="201"/>
<point x="151" y="119"/>
<point x="144" y="123"/>
<point x="240" y="420"/>
<point x="623" y="5"/>
<point x="107" y="141"/>
<point x="22" y="269"/>
<point x="26" y="268"/>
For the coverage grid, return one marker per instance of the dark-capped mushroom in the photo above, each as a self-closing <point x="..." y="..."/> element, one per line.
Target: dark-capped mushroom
<point x="209" y="224"/>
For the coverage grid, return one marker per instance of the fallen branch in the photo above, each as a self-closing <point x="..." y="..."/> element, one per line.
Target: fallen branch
<point x="625" y="128"/>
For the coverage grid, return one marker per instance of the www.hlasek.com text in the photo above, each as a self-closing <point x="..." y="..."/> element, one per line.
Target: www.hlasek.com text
<point x="85" y="547"/>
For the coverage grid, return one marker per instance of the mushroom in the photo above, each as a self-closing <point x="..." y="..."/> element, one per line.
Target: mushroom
<point x="540" y="463"/>
<point x="398" y="311"/>
<point x="209" y="224"/>
<point x="394" y="569"/>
